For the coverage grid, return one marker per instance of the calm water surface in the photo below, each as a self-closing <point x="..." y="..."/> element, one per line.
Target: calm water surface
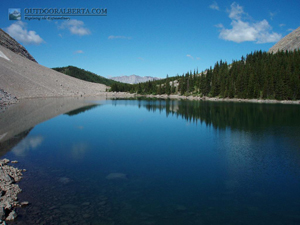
<point x="163" y="162"/>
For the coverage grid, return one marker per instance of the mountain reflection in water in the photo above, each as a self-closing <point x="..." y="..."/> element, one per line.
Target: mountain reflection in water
<point x="162" y="162"/>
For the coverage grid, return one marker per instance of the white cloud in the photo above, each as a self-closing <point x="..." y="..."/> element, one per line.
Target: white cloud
<point x="140" y="58"/>
<point x="236" y="11"/>
<point x="19" y="31"/>
<point x="214" y="6"/>
<point x="118" y="37"/>
<point x="282" y="25"/>
<point x="78" y="52"/>
<point x="198" y="58"/>
<point x="191" y="57"/>
<point x="75" y="27"/>
<point x="241" y="30"/>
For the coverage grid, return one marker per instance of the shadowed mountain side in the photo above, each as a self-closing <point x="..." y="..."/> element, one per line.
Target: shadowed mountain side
<point x="8" y="42"/>
<point x="30" y="112"/>
<point x="24" y="78"/>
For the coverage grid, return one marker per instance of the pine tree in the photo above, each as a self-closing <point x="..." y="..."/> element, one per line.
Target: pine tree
<point x="168" y="88"/>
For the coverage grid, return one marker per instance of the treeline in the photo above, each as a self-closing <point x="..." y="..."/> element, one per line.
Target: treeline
<point x="260" y="75"/>
<point x="84" y="75"/>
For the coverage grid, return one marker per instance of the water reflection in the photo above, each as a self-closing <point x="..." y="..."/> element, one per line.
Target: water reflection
<point x="81" y="110"/>
<point x="30" y="112"/>
<point x="19" y="119"/>
<point x="78" y="150"/>
<point x="241" y="116"/>
<point x="27" y="144"/>
<point x="163" y="162"/>
<point x="9" y="144"/>
<point x="253" y="135"/>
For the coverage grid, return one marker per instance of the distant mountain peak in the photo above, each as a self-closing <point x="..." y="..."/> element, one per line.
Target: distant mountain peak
<point x="290" y="42"/>
<point x="134" y="79"/>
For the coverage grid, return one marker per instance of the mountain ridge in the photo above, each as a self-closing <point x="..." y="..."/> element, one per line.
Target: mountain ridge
<point x="10" y="43"/>
<point x="83" y="74"/>
<point x="134" y="79"/>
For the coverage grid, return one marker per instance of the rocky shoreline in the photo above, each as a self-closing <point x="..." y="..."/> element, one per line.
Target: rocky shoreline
<point x="221" y="99"/>
<point x="6" y="99"/>
<point x="9" y="189"/>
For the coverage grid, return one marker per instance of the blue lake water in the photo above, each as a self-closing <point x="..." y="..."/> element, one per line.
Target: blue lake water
<point x="163" y="162"/>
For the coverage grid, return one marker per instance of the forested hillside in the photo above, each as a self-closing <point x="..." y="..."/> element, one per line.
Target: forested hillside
<point x="259" y="75"/>
<point x="84" y="75"/>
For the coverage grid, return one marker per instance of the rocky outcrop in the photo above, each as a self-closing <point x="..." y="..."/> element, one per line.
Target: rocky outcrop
<point x="9" y="190"/>
<point x="289" y="42"/>
<point x="8" y="42"/>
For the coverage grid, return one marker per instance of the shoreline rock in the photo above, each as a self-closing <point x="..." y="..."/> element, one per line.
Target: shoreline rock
<point x="9" y="189"/>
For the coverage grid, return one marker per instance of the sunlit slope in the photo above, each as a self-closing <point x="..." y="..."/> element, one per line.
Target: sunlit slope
<point x="290" y="42"/>
<point x="27" y="79"/>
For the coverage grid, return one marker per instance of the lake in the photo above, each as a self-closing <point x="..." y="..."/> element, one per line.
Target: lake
<point x="147" y="161"/>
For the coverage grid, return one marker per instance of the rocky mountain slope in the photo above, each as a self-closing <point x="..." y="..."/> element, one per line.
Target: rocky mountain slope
<point x="11" y="44"/>
<point x="25" y="78"/>
<point x="134" y="79"/>
<point x="289" y="42"/>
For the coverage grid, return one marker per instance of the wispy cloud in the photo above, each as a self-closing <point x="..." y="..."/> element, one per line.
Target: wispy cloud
<point x="140" y="58"/>
<point x="272" y="14"/>
<point x="19" y="31"/>
<point x="219" y="25"/>
<point x="192" y="57"/>
<point x="214" y="6"/>
<point x="118" y="37"/>
<point x="189" y="56"/>
<point x="76" y="27"/>
<point x="236" y="11"/>
<point x="242" y="30"/>
<point x="282" y="25"/>
<point x="78" y="52"/>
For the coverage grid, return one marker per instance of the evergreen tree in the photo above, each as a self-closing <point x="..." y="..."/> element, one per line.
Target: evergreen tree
<point x="168" y="88"/>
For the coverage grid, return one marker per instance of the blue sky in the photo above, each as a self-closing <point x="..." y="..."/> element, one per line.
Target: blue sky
<point x="152" y="38"/>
